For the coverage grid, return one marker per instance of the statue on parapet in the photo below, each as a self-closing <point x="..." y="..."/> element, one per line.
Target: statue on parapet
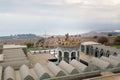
<point x="67" y="37"/>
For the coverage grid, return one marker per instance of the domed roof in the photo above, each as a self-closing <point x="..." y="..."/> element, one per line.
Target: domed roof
<point x="69" y="43"/>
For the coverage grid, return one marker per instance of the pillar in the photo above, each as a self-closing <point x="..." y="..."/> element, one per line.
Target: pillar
<point x="80" y="48"/>
<point x="69" y="57"/>
<point x="76" y="55"/>
<point x="85" y="49"/>
<point x="62" y="55"/>
<point x="98" y="53"/>
<point x="93" y="52"/>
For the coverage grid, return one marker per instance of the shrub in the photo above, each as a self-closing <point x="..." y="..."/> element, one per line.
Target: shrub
<point x="102" y="40"/>
<point x="117" y="40"/>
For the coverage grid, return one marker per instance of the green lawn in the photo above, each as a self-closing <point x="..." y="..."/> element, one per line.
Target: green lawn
<point x="35" y="48"/>
<point x="116" y="46"/>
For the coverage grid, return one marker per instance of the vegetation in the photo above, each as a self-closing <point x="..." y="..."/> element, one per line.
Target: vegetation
<point x="117" y="40"/>
<point x="95" y="37"/>
<point x="109" y="34"/>
<point x="116" y="46"/>
<point x="102" y="40"/>
<point x="29" y="45"/>
<point x="39" y="43"/>
<point x="35" y="48"/>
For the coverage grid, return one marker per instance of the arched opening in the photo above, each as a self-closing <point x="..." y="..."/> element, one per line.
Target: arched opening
<point x="82" y="48"/>
<point x="87" y="50"/>
<point x="96" y="52"/>
<point x="66" y="57"/>
<point x="114" y="54"/>
<point x="73" y="55"/>
<point x="78" y="55"/>
<point x="107" y="53"/>
<point x="101" y="52"/>
<point x="60" y="56"/>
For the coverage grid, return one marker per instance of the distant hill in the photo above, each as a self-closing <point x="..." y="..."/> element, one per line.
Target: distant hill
<point x="19" y="37"/>
<point x="101" y="33"/>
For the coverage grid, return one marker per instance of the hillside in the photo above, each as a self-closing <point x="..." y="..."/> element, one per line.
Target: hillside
<point x="101" y="33"/>
<point x="19" y="37"/>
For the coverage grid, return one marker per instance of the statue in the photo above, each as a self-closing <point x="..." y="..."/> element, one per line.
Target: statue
<point x="67" y="37"/>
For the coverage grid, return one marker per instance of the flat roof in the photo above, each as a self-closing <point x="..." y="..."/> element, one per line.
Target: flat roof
<point x="14" y="46"/>
<point x="1" y="57"/>
<point x="89" y="43"/>
<point x="1" y="68"/>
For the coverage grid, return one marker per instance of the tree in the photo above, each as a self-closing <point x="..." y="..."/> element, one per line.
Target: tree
<point x="39" y="43"/>
<point x="102" y="40"/>
<point x="109" y="34"/>
<point x="29" y="45"/>
<point x="95" y="37"/>
<point x="79" y="35"/>
<point x="117" y="40"/>
<point x="52" y="36"/>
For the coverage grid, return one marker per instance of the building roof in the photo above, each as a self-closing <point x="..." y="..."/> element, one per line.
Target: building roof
<point x="14" y="46"/>
<point x="107" y="48"/>
<point x="25" y="73"/>
<point x="1" y="70"/>
<point x="55" y="70"/>
<point x="114" y="57"/>
<point x="100" y="63"/>
<point x="40" y="71"/>
<point x="115" y="63"/>
<point x="78" y="65"/>
<point x="14" y="58"/>
<point x="89" y="43"/>
<point x="9" y="73"/>
<point x="1" y="57"/>
<point x="68" y="49"/>
<point x="68" y="68"/>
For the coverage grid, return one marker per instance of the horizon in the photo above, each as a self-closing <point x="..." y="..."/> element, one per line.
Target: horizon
<point x="58" y="17"/>
<point x="117" y="31"/>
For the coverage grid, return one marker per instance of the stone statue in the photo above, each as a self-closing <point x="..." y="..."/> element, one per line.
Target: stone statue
<point x="67" y="37"/>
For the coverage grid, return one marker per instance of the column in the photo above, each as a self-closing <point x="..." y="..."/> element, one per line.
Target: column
<point x="80" y="48"/>
<point x="69" y="56"/>
<point x="90" y="50"/>
<point x="62" y="55"/>
<point x="93" y="52"/>
<point x="76" y="55"/>
<point x="85" y="49"/>
<point x="99" y="53"/>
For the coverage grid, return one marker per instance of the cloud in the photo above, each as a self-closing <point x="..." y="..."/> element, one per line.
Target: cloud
<point x="62" y="16"/>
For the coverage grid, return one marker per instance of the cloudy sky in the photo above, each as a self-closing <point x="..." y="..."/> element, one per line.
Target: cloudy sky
<point x="58" y="16"/>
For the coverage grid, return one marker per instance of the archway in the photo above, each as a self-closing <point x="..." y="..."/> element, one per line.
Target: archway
<point x="60" y="56"/>
<point x="107" y="53"/>
<point x="73" y="55"/>
<point x="66" y="56"/>
<point x="96" y="52"/>
<point x="87" y="50"/>
<point x="114" y="54"/>
<point x="82" y="48"/>
<point x="101" y="52"/>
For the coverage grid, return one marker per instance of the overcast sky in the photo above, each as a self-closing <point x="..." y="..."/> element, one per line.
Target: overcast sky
<point x="58" y="16"/>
